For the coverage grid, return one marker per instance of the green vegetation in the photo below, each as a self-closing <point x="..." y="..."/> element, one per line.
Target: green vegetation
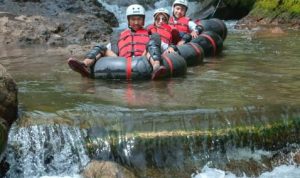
<point x="287" y="9"/>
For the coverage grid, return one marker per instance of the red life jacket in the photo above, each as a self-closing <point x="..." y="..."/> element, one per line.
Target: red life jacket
<point x="182" y="24"/>
<point x="133" y="43"/>
<point x="165" y="32"/>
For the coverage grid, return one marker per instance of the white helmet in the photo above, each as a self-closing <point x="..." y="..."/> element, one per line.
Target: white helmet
<point x="181" y="2"/>
<point x="161" y="10"/>
<point x="135" y="9"/>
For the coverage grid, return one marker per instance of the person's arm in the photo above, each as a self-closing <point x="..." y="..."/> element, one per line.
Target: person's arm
<point x="108" y="46"/>
<point x="164" y="46"/>
<point x="114" y="38"/>
<point x="193" y="29"/>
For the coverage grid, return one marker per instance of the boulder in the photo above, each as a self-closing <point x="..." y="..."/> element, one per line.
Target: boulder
<point x="54" y="23"/>
<point x="272" y="13"/>
<point x="106" y="169"/>
<point x="8" y="106"/>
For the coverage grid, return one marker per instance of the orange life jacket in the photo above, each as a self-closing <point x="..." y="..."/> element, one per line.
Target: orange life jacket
<point x="182" y="24"/>
<point x="133" y="43"/>
<point x="165" y="32"/>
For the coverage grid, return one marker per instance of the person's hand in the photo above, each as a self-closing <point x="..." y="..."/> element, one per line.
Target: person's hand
<point x="181" y="42"/>
<point x="194" y="34"/>
<point x="170" y="50"/>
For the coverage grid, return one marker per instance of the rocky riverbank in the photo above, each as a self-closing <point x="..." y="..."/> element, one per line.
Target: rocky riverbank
<point x="65" y="22"/>
<point x="54" y="23"/>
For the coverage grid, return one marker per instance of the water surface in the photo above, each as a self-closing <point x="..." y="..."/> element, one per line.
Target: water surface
<point x="255" y="81"/>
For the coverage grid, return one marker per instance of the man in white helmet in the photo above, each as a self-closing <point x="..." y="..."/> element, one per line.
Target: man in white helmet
<point x="181" y="22"/>
<point x="134" y="41"/>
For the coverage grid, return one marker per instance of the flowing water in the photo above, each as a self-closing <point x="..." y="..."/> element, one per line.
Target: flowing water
<point x="168" y="128"/>
<point x="235" y="115"/>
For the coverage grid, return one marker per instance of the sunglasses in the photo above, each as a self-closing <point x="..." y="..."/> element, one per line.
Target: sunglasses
<point x="164" y="19"/>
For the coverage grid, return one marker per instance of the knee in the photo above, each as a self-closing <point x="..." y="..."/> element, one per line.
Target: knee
<point x="98" y="49"/>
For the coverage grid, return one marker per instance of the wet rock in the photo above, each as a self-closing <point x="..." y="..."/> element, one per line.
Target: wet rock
<point x="54" y="23"/>
<point x="274" y="13"/>
<point x="250" y="168"/>
<point x="106" y="169"/>
<point x="3" y="136"/>
<point x="297" y="157"/>
<point x="8" y="97"/>
<point x="4" y="166"/>
<point x="8" y="106"/>
<point x="288" y="155"/>
<point x="268" y="31"/>
<point x="129" y="2"/>
<point x="228" y="9"/>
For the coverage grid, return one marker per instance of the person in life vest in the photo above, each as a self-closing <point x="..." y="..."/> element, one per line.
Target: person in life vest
<point x="187" y="28"/>
<point x="169" y="36"/>
<point x="134" y="41"/>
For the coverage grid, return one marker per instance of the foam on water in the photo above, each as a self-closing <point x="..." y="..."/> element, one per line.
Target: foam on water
<point x="283" y="171"/>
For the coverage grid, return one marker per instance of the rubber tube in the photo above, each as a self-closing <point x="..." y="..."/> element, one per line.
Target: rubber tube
<point x="215" y="25"/>
<point x="192" y="53"/>
<point x="211" y="43"/>
<point x="137" y="68"/>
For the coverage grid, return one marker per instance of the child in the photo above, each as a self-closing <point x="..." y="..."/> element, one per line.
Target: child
<point x="181" y="22"/>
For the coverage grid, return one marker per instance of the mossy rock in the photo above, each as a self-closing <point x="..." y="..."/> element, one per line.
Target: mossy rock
<point x="287" y="9"/>
<point x="271" y="136"/>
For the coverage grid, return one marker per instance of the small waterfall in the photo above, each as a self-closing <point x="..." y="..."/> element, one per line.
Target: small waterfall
<point x="40" y="150"/>
<point x="120" y="11"/>
<point x="194" y="12"/>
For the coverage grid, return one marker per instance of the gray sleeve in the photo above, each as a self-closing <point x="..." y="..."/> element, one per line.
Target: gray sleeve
<point x="108" y="46"/>
<point x="114" y="42"/>
<point x="192" y="25"/>
<point x="164" y="46"/>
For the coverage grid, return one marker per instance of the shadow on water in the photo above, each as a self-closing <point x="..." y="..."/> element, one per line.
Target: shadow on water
<point x="238" y="104"/>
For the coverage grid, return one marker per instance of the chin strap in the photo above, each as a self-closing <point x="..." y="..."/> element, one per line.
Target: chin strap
<point x="130" y="27"/>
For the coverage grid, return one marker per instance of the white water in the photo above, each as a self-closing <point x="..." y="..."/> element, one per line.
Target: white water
<point x="120" y="11"/>
<point x="283" y="171"/>
<point x="39" y="150"/>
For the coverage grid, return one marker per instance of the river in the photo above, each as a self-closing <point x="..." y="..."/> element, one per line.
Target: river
<point x="173" y="127"/>
<point x="235" y="115"/>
